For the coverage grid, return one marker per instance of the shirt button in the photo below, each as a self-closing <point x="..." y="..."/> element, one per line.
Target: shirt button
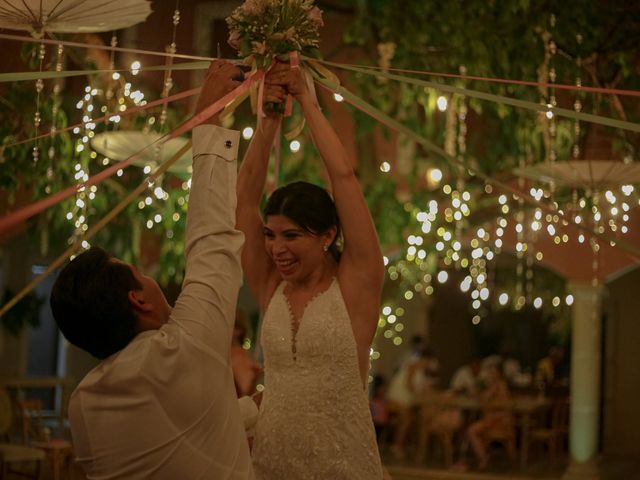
<point x="228" y="144"/>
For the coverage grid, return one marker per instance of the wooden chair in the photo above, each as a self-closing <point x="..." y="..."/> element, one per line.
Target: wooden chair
<point x="554" y="433"/>
<point x="12" y="455"/>
<point x="507" y="438"/>
<point x="441" y="422"/>
<point x="59" y="451"/>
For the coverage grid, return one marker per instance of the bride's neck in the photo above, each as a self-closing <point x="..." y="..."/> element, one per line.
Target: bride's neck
<point x="318" y="277"/>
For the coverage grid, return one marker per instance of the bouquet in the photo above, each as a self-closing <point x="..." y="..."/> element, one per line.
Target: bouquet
<point x="262" y="30"/>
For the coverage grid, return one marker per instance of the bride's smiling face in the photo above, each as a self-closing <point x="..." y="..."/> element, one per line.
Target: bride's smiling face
<point x="295" y="251"/>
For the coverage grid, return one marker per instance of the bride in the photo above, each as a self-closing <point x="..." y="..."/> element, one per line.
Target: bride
<point x="320" y="306"/>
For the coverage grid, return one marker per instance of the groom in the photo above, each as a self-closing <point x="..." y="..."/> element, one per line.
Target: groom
<point x="162" y="404"/>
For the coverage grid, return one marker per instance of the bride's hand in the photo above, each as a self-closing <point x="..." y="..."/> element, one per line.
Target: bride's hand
<point x="289" y="78"/>
<point x="271" y="94"/>
<point x="257" y="398"/>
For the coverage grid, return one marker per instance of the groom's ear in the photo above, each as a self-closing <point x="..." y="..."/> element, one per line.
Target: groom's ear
<point x="137" y="301"/>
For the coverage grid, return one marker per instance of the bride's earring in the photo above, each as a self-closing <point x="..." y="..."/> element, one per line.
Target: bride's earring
<point x="325" y="248"/>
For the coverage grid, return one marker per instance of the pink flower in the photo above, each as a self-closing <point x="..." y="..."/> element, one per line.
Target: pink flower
<point x="315" y="15"/>
<point x="234" y="39"/>
<point x="254" y="7"/>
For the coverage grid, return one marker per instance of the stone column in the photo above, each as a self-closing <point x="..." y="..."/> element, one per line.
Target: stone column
<point x="586" y="355"/>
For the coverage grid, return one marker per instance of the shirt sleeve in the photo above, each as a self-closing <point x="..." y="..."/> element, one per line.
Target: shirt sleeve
<point x="207" y="303"/>
<point x="248" y="412"/>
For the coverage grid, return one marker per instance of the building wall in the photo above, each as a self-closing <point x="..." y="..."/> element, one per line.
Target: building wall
<point x="621" y="416"/>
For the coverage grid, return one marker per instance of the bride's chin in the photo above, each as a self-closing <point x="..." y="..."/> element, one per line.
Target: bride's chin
<point x="289" y="271"/>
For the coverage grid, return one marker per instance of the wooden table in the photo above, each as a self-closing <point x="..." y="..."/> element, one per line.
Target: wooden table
<point x="523" y="406"/>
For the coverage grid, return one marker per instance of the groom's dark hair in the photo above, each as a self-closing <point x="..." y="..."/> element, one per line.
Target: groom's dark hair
<point x="89" y="301"/>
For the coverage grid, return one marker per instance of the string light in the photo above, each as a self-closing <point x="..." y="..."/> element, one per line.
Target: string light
<point x="294" y="146"/>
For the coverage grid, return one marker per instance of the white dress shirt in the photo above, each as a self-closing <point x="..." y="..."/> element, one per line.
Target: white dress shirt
<point x="165" y="406"/>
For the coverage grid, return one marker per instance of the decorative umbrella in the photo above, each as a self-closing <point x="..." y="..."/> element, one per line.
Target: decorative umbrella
<point x="593" y="174"/>
<point x="120" y="145"/>
<point x="72" y="16"/>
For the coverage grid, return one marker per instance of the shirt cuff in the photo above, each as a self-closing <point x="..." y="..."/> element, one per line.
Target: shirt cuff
<point x="214" y="140"/>
<point x="248" y="412"/>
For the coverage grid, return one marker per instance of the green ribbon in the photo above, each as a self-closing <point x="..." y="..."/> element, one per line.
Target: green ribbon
<point x="536" y="107"/>
<point x="385" y="119"/>
<point x="46" y="75"/>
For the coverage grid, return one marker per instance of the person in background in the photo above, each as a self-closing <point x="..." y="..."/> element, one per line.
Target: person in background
<point x="495" y="422"/>
<point x="547" y="371"/>
<point x="378" y="404"/>
<point x="466" y="378"/>
<point x="245" y="369"/>
<point x="509" y="365"/>
<point x="161" y="403"/>
<point x="407" y="387"/>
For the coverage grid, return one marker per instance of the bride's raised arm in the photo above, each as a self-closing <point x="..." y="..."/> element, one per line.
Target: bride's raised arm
<point x="361" y="262"/>
<point x="258" y="267"/>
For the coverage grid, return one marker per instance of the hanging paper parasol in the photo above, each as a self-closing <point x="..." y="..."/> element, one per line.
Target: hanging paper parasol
<point x="593" y="174"/>
<point x="122" y="144"/>
<point x="72" y="16"/>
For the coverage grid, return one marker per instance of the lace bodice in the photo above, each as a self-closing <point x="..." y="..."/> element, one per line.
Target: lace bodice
<point x="314" y="419"/>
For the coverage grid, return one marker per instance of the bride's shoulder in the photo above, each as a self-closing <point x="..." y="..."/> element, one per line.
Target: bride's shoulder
<point x="269" y="289"/>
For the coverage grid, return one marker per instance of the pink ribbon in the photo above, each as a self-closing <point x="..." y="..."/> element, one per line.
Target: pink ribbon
<point x="14" y="218"/>
<point x="559" y="86"/>
<point x="294" y="62"/>
<point x="260" y="108"/>
<point x="277" y="146"/>
<point x="66" y="43"/>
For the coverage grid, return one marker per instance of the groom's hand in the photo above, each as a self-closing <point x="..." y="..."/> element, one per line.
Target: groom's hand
<point x="257" y="398"/>
<point x="222" y="77"/>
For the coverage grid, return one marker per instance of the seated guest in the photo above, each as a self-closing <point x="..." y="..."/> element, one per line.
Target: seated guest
<point x="547" y="371"/>
<point x="414" y="377"/>
<point x="466" y="379"/>
<point x="496" y="423"/>
<point x="508" y="364"/>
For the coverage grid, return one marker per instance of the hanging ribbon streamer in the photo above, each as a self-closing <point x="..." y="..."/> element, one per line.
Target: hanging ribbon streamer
<point x="277" y="146"/>
<point x="54" y="74"/>
<point x="632" y="250"/>
<point x="536" y="107"/>
<point x="12" y="219"/>
<point x="260" y="100"/>
<point x="129" y="111"/>
<point x="190" y="124"/>
<point x="19" y="38"/>
<point x="95" y="229"/>
<point x="609" y="91"/>
<point x="582" y="88"/>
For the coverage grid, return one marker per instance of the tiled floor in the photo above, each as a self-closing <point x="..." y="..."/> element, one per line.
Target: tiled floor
<point x="500" y="469"/>
<point x="540" y="466"/>
<point x="609" y="469"/>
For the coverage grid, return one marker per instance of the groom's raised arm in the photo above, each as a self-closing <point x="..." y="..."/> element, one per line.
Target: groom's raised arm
<point x="206" y="305"/>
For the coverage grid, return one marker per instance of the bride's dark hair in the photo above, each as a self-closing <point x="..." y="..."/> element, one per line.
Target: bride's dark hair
<point x="308" y="205"/>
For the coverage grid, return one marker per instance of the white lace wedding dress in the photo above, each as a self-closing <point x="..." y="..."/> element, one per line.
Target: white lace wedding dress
<point x="315" y="421"/>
